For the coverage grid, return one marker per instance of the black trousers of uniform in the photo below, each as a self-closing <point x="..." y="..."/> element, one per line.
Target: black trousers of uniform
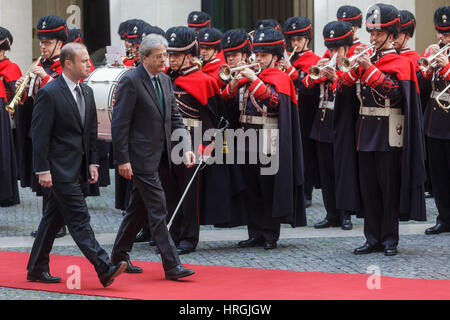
<point x="66" y="205"/>
<point x="325" y="155"/>
<point x="439" y="161"/>
<point x="147" y="201"/>
<point x="185" y="229"/>
<point x="259" y="203"/>
<point x="379" y="177"/>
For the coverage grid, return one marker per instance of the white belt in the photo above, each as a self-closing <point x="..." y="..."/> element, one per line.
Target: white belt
<point x="257" y="120"/>
<point x="189" y="122"/>
<point x="327" y="105"/>
<point x="444" y="97"/>
<point x="378" y="112"/>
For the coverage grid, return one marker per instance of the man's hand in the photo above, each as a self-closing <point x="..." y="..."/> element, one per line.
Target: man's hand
<point x="364" y="61"/>
<point x="125" y="170"/>
<point x="39" y="71"/>
<point x="19" y="82"/>
<point x="93" y="173"/>
<point x="249" y="74"/>
<point x="284" y="63"/>
<point x="330" y="73"/>
<point x="45" y="180"/>
<point x="189" y="159"/>
<point x="442" y="60"/>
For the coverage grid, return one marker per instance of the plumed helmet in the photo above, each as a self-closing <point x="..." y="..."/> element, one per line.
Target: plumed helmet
<point x="199" y="19"/>
<point x="407" y="22"/>
<point x="442" y="19"/>
<point x="270" y="23"/>
<point x="182" y="40"/>
<point x="351" y="15"/>
<point x="210" y="38"/>
<point x="337" y="34"/>
<point x="6" y="39"/>
<point x="269" y="40"/>
<point x="383" y="17"/>
<point x="135" y="27"/>
<point x="236" y="40"/>
<point x="298" y="27"/>
<point x="52" y="27"/>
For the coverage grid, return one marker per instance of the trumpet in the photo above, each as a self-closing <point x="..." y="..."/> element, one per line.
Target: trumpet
<point x="347" y="63"/>
<point x="289" y="59"/>
<point x="445" y="108"/>
<point x="426" y="63"/>
<point x="226" y="72"/>
<point x="198" y="62"/>
<point x="316" y="71"/>
<point x="21" y="89"/>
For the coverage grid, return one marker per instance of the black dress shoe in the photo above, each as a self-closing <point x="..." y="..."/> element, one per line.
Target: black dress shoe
<point x="143" y="236"/>
<point x="152" y="242"/>
<point x="428" y="195"/>
<point x="108" y="278"/>
<point x="326" y="224"/>
<point x="438" y="228"/>
<point x="61" y="233"/>
<point x="368" y="248"/>
<point x="390" y="250"/>
<point x="252" y="242"/>
<point x="347" y="224"/>
<point x="178" y="272"/>
<point x="269" y="245"/>
<point x="184" y="250"/>
<point x="44" y="277"/>
<point x="33" y="233"/>
<point x="132" y="269"/>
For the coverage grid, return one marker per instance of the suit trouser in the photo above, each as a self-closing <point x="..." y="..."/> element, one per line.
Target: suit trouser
<point x="439" y="161"/>
<point x="325" y="156"/>
<point x="259" y="203"/>
<point x="66" y="205"/>
<point x="379" y="177"/>
<point x="147" y="201"/>
<point x="185" y="229"/>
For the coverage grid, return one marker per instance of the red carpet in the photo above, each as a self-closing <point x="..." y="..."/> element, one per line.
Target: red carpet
<point x="220" y="283"/>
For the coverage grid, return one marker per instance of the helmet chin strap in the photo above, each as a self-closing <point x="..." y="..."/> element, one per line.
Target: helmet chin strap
<point x="384" y="42"/>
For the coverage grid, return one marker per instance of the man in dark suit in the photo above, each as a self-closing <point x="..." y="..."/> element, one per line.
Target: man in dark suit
<point x="64" y="131"/>
<point x="145" y="113"/>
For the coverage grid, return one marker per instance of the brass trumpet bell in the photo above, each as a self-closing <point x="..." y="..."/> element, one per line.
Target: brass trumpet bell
<point x="426" y="63"/>
<point x="226" y="72"/>
<point x="347" y="63"/>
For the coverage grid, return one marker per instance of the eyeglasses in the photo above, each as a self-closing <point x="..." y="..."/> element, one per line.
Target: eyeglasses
<point x="46" y="42"/>
<point x="159" y="56"/>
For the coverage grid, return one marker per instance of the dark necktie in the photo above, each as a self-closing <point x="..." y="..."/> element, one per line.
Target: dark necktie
<point x="80" y="103"/>
<point x="159" y="93"/>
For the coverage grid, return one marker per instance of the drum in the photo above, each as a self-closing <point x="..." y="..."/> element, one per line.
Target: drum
<point x="104" y="81"/>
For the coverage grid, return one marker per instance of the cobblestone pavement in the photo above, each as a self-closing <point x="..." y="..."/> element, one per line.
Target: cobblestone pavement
<point x="419" y="256"/>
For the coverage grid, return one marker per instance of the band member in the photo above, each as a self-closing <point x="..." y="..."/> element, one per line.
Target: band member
<point x="123" y="34"/>
<point x="209" y="40"/>
<point x="201" y="106"/>
<point x="52" y="33"/>
<point x="436" y="122"/>
<point x="64" y="130"/>
<point x="298" y="32"/>
<point x="144" y="116"/>
<point x="338" y="36"/>
<point x="134" y="36"/>
<point x="407" y="28"/>
<point x="9" y="73"/>
<point x="268" y="23"/>
<point x="267" y="101"/>
<point x="198" y="20"/>
<point x="378" y="136"/>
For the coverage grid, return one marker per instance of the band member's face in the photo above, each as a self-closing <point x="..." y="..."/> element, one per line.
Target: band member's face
<point x="299" y="42"/>
<point x="234" y="58"/>
<point x="402" y="39"/>
<point x="80" y="67"/>
<point x="208" y="53"/>
<point x="341" y="52"/>
<point x="50" y="47"/>
<point x="177" y="60"/>
<point x="445" y="38"/>
<point x="128" y="45"/>
<point x="265" y="59"/>
<point x="379" y="38"/>
<point x="134" y="49"/>
<point x="156" y="61"/>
